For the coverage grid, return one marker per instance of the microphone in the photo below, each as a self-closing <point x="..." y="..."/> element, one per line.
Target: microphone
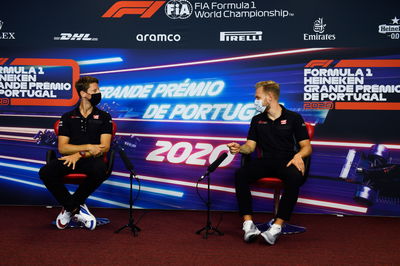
<point x="126" y="161"/>
<point x="211" y="168"/>
<point x="217" y="162"/>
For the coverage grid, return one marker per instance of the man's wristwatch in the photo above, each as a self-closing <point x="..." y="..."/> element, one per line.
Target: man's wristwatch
<point x="82" y="154"/>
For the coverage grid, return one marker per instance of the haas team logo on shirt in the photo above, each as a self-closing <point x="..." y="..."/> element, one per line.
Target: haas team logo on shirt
<point x="96" y="117"/>
<point x="283" y="122"/>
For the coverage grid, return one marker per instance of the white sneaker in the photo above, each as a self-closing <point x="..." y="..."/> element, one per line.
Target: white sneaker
<point x="272" y="233"/>
<point x="84" y="216"/>
<point x="63" y="219"/>
<point x="250" y="231"/>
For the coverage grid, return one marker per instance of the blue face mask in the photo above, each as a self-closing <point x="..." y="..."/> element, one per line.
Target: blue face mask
<point x="259" y="107"/>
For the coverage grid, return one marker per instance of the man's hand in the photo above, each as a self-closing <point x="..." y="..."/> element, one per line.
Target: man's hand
<point x="298" y="162"/>
<point x="70" y="160"/>
<point x="234" y="147"/>
<point x="95" y="150"/>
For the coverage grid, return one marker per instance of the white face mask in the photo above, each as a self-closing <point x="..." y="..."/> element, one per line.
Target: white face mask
<point x="259" y="107"/>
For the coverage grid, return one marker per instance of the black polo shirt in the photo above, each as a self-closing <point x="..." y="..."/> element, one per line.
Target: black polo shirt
<point x="81" y="130"/>
<point x="278" y="138"/>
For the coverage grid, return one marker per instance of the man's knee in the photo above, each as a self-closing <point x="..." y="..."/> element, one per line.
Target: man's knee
<point x="52" y="169"/>
<point x="293" y="177"/>
<point x="44" y="172"/>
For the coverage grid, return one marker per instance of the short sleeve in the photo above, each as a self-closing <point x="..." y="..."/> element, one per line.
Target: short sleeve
<point x="107" y="126"/>
<point x="300" y="129"/>
<point x="63" y="126"/>
<point x="252" y="134"/>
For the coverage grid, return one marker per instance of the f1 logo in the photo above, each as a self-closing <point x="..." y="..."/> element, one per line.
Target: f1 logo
<point x="144" y="8"/>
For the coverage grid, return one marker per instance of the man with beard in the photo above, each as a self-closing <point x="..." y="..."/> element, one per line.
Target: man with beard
<point x="275" y="131"/>
<point x="84" y="135"/>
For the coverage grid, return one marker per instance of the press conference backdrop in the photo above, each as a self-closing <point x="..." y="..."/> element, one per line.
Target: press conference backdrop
<point x="178" y="79"/>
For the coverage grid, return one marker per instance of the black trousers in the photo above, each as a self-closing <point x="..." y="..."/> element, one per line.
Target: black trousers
<point x="258" y="168"/>
<point x="52" y="173"/>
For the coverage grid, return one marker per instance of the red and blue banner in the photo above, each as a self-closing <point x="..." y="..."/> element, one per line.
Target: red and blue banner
<point x="179" y="91"/>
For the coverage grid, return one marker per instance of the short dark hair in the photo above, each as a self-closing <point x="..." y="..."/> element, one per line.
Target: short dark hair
<point x="270" y="86"/>
<point x="83" y="84"/>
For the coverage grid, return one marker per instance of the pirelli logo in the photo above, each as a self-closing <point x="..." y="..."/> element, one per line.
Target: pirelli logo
<point x="240" y="36"/>
<point x="145" y="9"/>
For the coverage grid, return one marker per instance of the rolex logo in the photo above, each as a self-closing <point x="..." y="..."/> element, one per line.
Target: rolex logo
<point x="6" y="35"/>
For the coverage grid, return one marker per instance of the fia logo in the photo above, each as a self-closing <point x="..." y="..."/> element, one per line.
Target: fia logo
<point x="319" y="26"/>
<point x="178" y="9"/>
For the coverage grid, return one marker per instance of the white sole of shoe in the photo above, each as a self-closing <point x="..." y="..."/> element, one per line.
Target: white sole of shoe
<point x="268" y="238"/>
<point x="252" y="238"/>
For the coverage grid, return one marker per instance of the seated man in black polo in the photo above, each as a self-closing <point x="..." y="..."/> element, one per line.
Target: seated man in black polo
<point x="275" y="131"/>
<point x="84" y="135"/>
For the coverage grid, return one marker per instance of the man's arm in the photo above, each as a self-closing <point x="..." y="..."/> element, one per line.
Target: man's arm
<point x="305" y="151"/>
<point x="246" y="148"/>
<point x="74" y="152"/>
<point x="91" y="149"/>
<point x="65" y="148"/>
<point x="305" y="148"/>
<point x="105" y="141"/>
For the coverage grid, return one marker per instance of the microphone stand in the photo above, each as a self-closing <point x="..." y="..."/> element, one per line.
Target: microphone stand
<point x="135" y="229"/>
<point x="208" y="228"/>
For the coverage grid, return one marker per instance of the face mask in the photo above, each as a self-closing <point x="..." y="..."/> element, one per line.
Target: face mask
<point x="259" y="107"/>
<point x="96" y="98"/>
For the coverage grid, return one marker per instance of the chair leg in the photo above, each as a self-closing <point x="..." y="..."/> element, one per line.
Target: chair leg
<point x="277" y="194"/>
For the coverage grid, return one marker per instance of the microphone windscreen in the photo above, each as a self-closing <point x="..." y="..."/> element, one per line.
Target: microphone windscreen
<point x="125" y="159"/>
<point x="217" y="162"/>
